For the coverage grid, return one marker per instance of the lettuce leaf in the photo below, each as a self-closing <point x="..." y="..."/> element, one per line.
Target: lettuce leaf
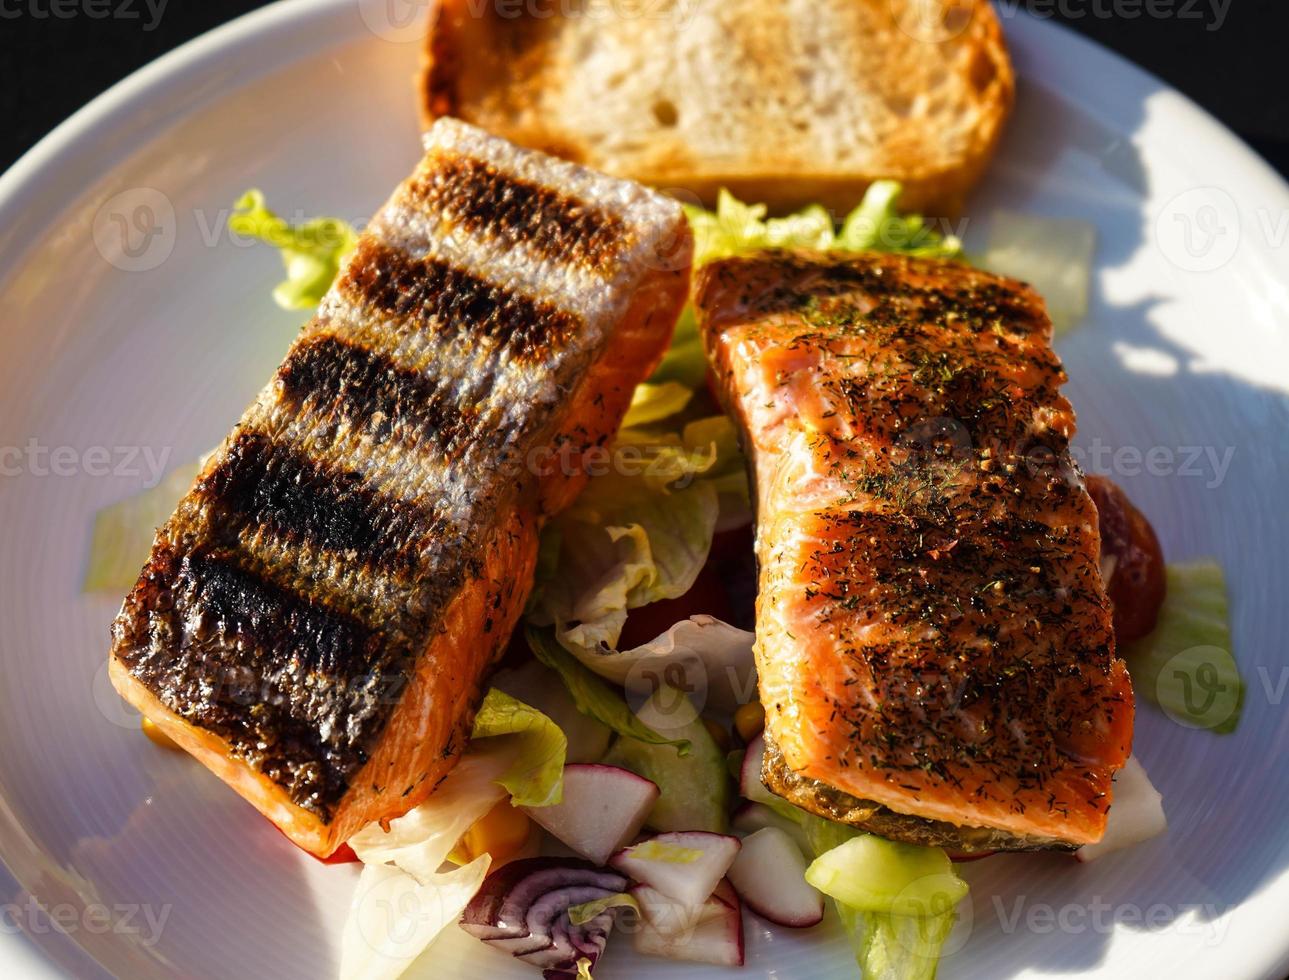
<point x="403" y="901"/>
<point x="639" y="533"/>
<point x="535" y="774"/>
<point x="875" y="224"/>
<point x="654" y="401"/>
<point x="311" y="252"/>
<point x="1186" y="665"/>
<point x="887" y="945"/>
<point x="694" y="791"/>
<point x="685" y="360"/>
<point x="701" y="654"/>
<point x="394" y="917"/>
<point x="1054" y="255"/>
<point x="593" y="696"/>
<point x="123" y="531"/>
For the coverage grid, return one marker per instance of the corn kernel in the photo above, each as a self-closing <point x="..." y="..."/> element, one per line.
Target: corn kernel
<point x="502" y="832"/>
<point x="749" y="720"/>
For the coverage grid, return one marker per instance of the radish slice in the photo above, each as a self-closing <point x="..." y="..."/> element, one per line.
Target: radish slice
<point x="749" y="781"/>
<point x="711" y="932"/>
<point x="770" y="875"/>
<point x="685" y="865"/>
<point x="751" y="817"/>
<point x="603" y="808"/>
<point x="1137" y="813"/>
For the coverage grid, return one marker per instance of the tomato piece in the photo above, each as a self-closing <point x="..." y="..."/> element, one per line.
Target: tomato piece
<point x="1130" y="552"/>
<point x="344" y="854"/>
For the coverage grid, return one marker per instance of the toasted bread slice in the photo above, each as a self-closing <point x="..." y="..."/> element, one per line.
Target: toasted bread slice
<point x="782" y="101"/>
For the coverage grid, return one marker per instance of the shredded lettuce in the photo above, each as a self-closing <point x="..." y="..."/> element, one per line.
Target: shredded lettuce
<point x="1186" y="665"/>
<point x="694" y="791"/>
<point x="655" y="401"/>
<point x="701" y="653"/>
<point x="888" y="944"/>
<point x="1054" y="255"/>
<point x="636" y="535"/>
<point x="537" y="685"/>
<point x="122" y="535"/>
<point x="685" y="362"/>
<point x="593" y="696"/>
<point x="875" y="225"/>
<point x="394" y="917"/>
<point x="311" y="252"/>
<point x="535" y="774"/>
<point x="403" y="901"/>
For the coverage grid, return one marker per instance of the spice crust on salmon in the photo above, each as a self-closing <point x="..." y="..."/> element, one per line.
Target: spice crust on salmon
<point x="934" y="642"/>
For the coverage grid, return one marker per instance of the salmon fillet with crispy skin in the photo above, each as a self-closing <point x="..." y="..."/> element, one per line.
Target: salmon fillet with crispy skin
<point x="934" y="643"/>
<point x="318" y="617"/>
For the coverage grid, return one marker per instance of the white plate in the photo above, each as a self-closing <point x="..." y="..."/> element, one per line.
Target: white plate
<point x="1186" y="346"/>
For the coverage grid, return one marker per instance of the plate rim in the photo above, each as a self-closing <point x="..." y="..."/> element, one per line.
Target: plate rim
<point x="1080" y="70"/>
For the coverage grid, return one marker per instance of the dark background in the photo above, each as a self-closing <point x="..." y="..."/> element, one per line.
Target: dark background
<point x="1232" y="64"/>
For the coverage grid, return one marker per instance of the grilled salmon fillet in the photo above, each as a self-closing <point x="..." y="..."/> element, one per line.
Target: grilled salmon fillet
<point x="934" y="642"/>
<point x="317" y="618"/>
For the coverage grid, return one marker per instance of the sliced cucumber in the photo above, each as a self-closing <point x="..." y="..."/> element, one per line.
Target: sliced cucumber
<point x="695" y="789"/>
<point x="873" y="874"/>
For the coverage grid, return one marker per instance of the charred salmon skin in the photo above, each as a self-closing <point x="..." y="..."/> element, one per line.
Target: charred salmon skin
<point x="317" y="618"/>
<point x="934" y="642"/>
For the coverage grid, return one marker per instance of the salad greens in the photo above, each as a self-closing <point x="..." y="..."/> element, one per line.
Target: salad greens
<point x="1186" y="665"/>
<point x="403" y="901"/>
<point x="640" y="533"/>
<point x="694" y="792"/>
<point x="312" y="252"/>
<point x="594" y="697"/>
<point x="875" y="225"/>
<point x="535" y="773"/>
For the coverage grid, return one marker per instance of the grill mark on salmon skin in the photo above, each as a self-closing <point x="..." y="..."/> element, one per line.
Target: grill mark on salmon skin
<point x="523" y="343"/>
<point x="484" y="199"/>
<point x="317" y="700"/>
<point x="329" y="375"/>
<point x="261" y="483"/>
<point x="435" y="294"/>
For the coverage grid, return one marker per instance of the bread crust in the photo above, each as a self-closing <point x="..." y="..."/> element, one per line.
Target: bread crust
<point x="497" y="71"/>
